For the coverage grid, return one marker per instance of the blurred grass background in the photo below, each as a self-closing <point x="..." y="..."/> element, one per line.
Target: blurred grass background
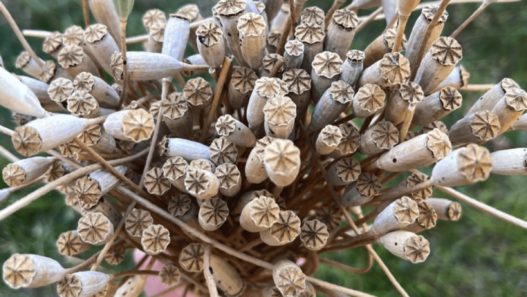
<point x="476" y="256"/>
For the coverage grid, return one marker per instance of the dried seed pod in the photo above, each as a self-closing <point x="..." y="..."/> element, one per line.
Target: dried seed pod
<point x="95" y="228"/>
<point x="265" y="88"/>
<point x="406" y="97"/>
<point x="259" y="214"/>
<point x="17" y="97"/>
<point x="298" y="82"/>
<point x="309" y="291"/>
<point x="438" y="63"/>
<point x="31" y="271"/>
<point x="344" y="171"/>
<point x="155" y="182"/>
<point x="368" y="100"/>
<point x="480" y="126"/>
<point x="97" y="87"/>
<point x="82" y="104"/>
<point x="189" y="150"/>
<point x="240" y="86"/>
<point x="330" y="216"/>
<point x="326" y="68"/>
<point x="155" y="239"/>
<point x="98" y="139"/>
<point x="273" y="40"/>
<point x="106" y="13"/>
<point x="253" y="34"/>
<point x="191" y="257"/>
<point x="212" y="214"/>
<point x="226" y="277"/>
<point x="60" y="89"/>
<point x="179" y="205"/>
<point x="82" y="284"/>
<point x="391" y="70"/>
<point x="132" y="125"/>
<point x="211" y="44"/>
<point x="271" y="291"/>
<point x="229" y="11"/>
<point x="509" y="162"/>
<point x="445" y="209"/>
<point x="57" y="170"/>
<point x="53" y="44"/>
<point x="282" y="162"/>
<point x="269" y="62"/>
<point x="235" y="131"/>
<point x="175" y="169"/>
<point x="341" y="31"/>
<point x="88" y="190"/>
<point x="75" y="60"/>
<point x="70" y="244"/>
<point x="153" y="16"/>
<point x="285" y="230"/>
<point x="70" y="149"/>
<point x="293" y="54"/>
<point x="493" y="95"/>
<point x="223" y="151"/>
<point x="280" y="114"/>
<point x="333" y="102"/>
<point x="39" y="88"/>
<point x="156" y="36"/>
<point x="381" y="137"/>
<point x="352" y="67"/>
<point x="314" y="235"/>
<point x="289" y="278"/>
<point x="176" y="36"/>
<point x="133" y="287"/>
<point x="510" y="107"/>
<point x="312" y="36"/>
<point x="313" y="15"/>
<point x="420" y="151"/>
<point x="176" y="114"/>
<point x="458" y="79"/>
<point x="277" y="25"/>
<point x="102" y="44"/>
<point x="381" y="46"/>
<point x="328" y="139"/>
<point x="47" y="133"/>
<point x="137" y="221"/>
<point x="406" y="245"/>
<point x="115" y="255"/>
<point x="51" y="71"/>
<point x="201" y="184"/>
<point x="427" y="218"/>
<point x="350" y="141"/>
<point x="436" y="106"/>
<point x="27" y="64"/>
<point x="463" y="166"/>
<point x="230" y="179"/>
<point x="399" y="214"/>
<point x="202" y="164"/>
<point x="198" y="92"/>
<point x="169" y="274"/>
<point x="25" y="171"/>
<point x="255" y="168"/>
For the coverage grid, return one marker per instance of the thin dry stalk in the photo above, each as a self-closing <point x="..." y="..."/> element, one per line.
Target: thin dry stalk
<point x="211" y="284"/>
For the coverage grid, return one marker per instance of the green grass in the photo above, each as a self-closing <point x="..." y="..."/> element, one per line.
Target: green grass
<point x="476" y="256"/>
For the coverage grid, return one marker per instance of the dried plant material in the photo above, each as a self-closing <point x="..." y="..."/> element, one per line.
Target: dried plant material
<point x="437" y="105"/>
<point x="49" y="71"/>
<point x="314" y="235"/>
<point x="282" y="162"/>
<point x="255" y="168"/>
<point x="201" y="164"/>
<point x="26" y="171"/>
<point x="330" y="216"/>
<point x="191" y="257"/>
<point x="344" y="171"/>
<point x="70" y="244"/>
<point x="138" y="125"/>
<point x="327" y="64"/>
<point x="153" y="16"/>
<point x="309" y="33"/>
<point x="399" y="214"/>
<point x="70" y="149"/>
<point x="382" y="136"/>
<point x="52" y="43"/>
<point x="31" y="271"/>
<point x="83" y="104"/>
<point x="475" y="127"/>
<point x="280" y="114"/>
<point x="427" y="215"/>
<point x="56" y="171"/>
<point x="212" y="214"/>
<point x="230" y="179"/>
<point x="259" y="214"/>
<point x="445" y="209"/>
<point x="298" y="81"/>
<point x="175" y="168"/>
<point x="94" y="228"/>
<point x="407" y="96"/>
<point x="155" y="182"/>
<point x="74" y="35"/>
<point x="284" y="231"/>
<point x="328" y="139"/>
<point x="391" y="70"/>
<point x="223" y="151"/>
<point x="350" y="140"/>
<point x="174" y="105"/>
<point x="198" y="92"/>
<point x="169" y="275"/>
<point x="446" y="51"/>
<point x="115" y="255"/>
<point x="312" y="15"/>
<point x="179" y="205"/>
<point x="230" y="7"/>
<point x="137" y="221"/>
<point x="60" y="89"/>
<point x="81" y="284"/>
<point x="293" y="55"/>
<point x="155" y="239"/>
<point x="415" y="179"/>
<point x="201" y="184"/>
<point x="87" y="192"/>
<point x="289" y="278"/>
<point x="242" y="83"/>
<point x="368" y="100"/>
<point x="333" y="102"/>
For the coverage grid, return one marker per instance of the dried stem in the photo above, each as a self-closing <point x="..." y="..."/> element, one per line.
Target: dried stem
<point x="336" y="5"/>
<point x="4" y="152"/>
<point x="348" y="268"/>
<point x="213" y="291"/>
<point x="133" y="272"/>
<point x="86" y="13"/>
<point x="36" y="33"/>
<point x="289" y="26"/>
<point x="403" y="20"/>
<point x="478" y="88"/>
<point x="471" y="18"/>
<point x="125" y="64"/>
<point x="364" y="22"/>
<point x="171" y="289"/>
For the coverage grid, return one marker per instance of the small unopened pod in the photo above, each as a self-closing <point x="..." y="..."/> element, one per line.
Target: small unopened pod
<point x="289" y="278"/>
<point x="253" y="37"/>
<point x="97" y="87"/>
<point x="341" y="31"/>
<point x="95" y="228"/>
<point x="352" y="67"/>
<point x="298" y="82"/>
<point x="229" y="12"/>
<point x="102" y="44"/>
<point x="333" y="102"/>
<point x="280" y="115"/>
<point x="282" y="162"/>
<point x="392" y="69"/>
<point x="293" y="54"/>
<point x="380" y="46"/>
<point x="211" y="44"/>
<point x="436" y="106"/>
<point x="16" y="96"/>
<point x="226" y="277"/>
<point x="326" y="69"/>
<point x="230" y="179"/>
<point x="438" y="63"/>
<point x="314" y="235"/>
<point x="397" y="215"/>
<point x="328" y="139"/>
<point x="344" y="171"/>
<point x="285" y="230"/>
<point x="445" y="209"/>
<point x="259" y="214"/>
<point x="406" y="97"/>
<point x="265" y="88"/>
<point x="480" y="126"/>
<point x="419" y="151"/>
<point x="25" y="171"/>
<point x="201" y="184"/>
<point x="241" y="85"/>
<point x="70" y="244"/>
<point x="75" y="60"/>
<point x="368" y="100"/>
<point x="212" y="214"/>
<point x="28" y="65"/>
<point x="31" y="271"/>
<point x="312" y="36"/>
<point x="255" y="171"/>
<point x="47" y="133"/>
<point x="176" y="36"/>
<point x="510" y="107"/>
<point x="463" y="166"/>
<point x="381" y="137"/>
<point x="131" y="125"/>
<point x="235" y="131"/>
<point x="82" y="284"/>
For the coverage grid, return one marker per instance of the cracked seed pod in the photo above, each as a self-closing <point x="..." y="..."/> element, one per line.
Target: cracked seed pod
<point x="51" y="71"/>
<point x="169" y="275"/>
<point x="201" y="184"/>
<point x="223" y="151"/>
<point x="155" y="239"/>
<point x="212" y="214"/>
<point x="94" y="228"/>
<point x="362" y="191"/>
<point x="463" y="166"/>
<point x="445" y="209"/>
<point x="82" y="284"/>
<point x="285" y="230"/>
<point x="326" y="68"/>
<point x="476" y="127"/>
<point x="436" y="106"/>
<point x="391" y="70"/>
<point x="399" y="214"/>
<point x="70" y="244"/>
<point x="53" y="44"/>
<point x="115" y="255"/>
<point x="83" y="104"/>
<point x="179" y="205"/>
<point x="406" y="98"/>
<point x="415" y="179"/>
<point x="198" y="92"/>
<point x="312" y="36"/>
<point x="289" y="278"/>
<point x="406" y="245"/>
<point x="259" y="214"/>
<point x="250" y="196"/>
<point x="381" y="137"/>
<point x="137" y="221"/>
<point x="153" y="16"/>
<point x="368" y="100"/>
<point x="282" y="162"/>
<point x="31" y="271"/>
<point x="25" y="171"/>
<point x="280" y="115"/>
<point x="175" y="169"/>
<point x="230" y="179"/>
<point x="341" y="31"/>
<point x="330" y="216"/>
<point x="314" y="235"/>
<point x="60" y="89"/>
<point x="328" y="139"/>
<point x="255" y="171"/>
<point x="350" y="141"/>
<point x="131" y="125"/>
<point x="240" y="86"/>
<point x="98" y="139"/>
<point x="191" y="257"/>
<point x="344" y="171"/>
<point x="155" y="182"/>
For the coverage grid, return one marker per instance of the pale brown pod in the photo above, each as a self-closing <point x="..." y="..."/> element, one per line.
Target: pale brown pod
<point x="60" y="89"/>
<point x="27" y="64"/>
<point x="341" y="31"/>
<point x="57" y="170"/>
<point x="255" y="171"/>
<point x="480" y="126"/>
<point x="229" y="11"/>
<point x="17" y="97"/>
<point x="115" y="255"/>
<point x="390" y="8"/>
<point x="176" y="36"/>
<point x="399" y="214"/>
<point x="226" y="277"/>
<point x="463" y="166"/>
<point x="169" y="274"/>
<point x="241" y="85"/>
<point x="293" y="54"/>
<point x="289" y="278"/>
<point x="406" y="245"/>
<point x="132" y="125"/>
<point x="326" y="68"/>
<point x="248" y="197"/>
<point x="179" y="205"/>
<point x="330" y="216"/>
<point x="31" y="271"/>
<point x="105" y="13"/>
<point x="82" y="284"/>
<point x="509" y="162"/>
<point x="137" y="221"/>
<point x="156" y="36"/>
<point x="333" y="102"/>
<point x="176" y="114"/>
<point x="191" y="257"/>
<point x="53" y="44"/>
<point x="75" y="60"/>
<point x="458" y="79"/>
<point x="350" y="141"/>
<point x="445" y="209"/>
<point x="198" y="92"/>
<point x="70" y="149"/>
<point x="265" y="88"/>
<point x="314" y="235"/>
<point x="312" y="36"/>
<point x="133" y="287"/>
<point x="95" y="137"/>
<point x="298" y="82"/>
<point x="235" y="131"/>
<point x="406" y="97"/>
<point x="381" y="137"/>
<point x="39" y="88"/>
<point x="253" y="36"/>
<point x="436" y="106"/>
<point x="201" y="184"/>
<point x="285" y="230"/>
<point x="97" y="87"/>
<point x="427" y="218"/>
<point x="309" y="291"/>
<point x="368" y="100"/>
<point x="271" y="291"/>
<point x="268" y="63"/>
<point x="51" y="71"/>
<point x="101" y="44"/>
<point x="414" y="179"/>
<point x="352" y="67"/>
<point x="212" y="214"/>
<point x="280" y="115"/>
<point x="25" y="171"/>
<point x="521" y="123"/>
<point x="381" y="46"/>
<point x="282" y="162"/>
<point x="223" y="151"/>
<point x="328" y="139"/>
<point x="259" y="214"/>
<point x="230" y="179"/>
<point x="175" y="169"/>
<point x="95" y="228"/>
<point x="70" y="244"/>
<point x="155" y="239"/>
<point x="153" y="16"/>
<point x="344" y="171"/>
<point x="189" y="150"/>
<point x="273" y="40"/>
<point x="211" y="44"/>
<point x="392" y="69"/>
<point x="89" y="189"/>
<point x="493" y="95"/>
<point x="313" y="15"/>
<point x="510" y="107"/>
<point x="83" y="105"/>
<point x="155" y="182"/>
<point x="417" y="152"/>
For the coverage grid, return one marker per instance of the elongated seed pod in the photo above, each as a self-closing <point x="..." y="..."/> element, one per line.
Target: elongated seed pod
<point x="201" y="184"/>
<point x="510" y="162"/>
<point x="445" y="209"/>
<point x="463" y="166"/>
<point x="368" y="100"/>
<point x="289" y="278"/>
<point x="226" y="277"/>
<point x="155" y="239"/>
<point x="16" y="96"/>
<point x="259" y="214"/>
<point x="381" y="46"/>
<point x="293" y="54"/>
<point x="436" y="106"/>
<point x="313" y="15"/>
<point x="230" y="179"/>
<point x="31" y="271"/>
<point x="102" y="44"/>
<point x="283" y="231"/>
<point x="332" y="103"/>
<point x="406" y="245"/>
<point x="255" y="168"/>
<point x="98" y="88"/>
<point x="298" y="82"/>
<point x="253" y="36"/>
<point x="328" y="139"/>
<point x="105" y="13"/>
<point x="95" y="228"/>
<point x="39" y="88"/>
<point x="312" y="36"/>
<point x="352" y="67"/>
<point x="265" y="88"/>
<point x="70" y="244"/>
<point x="458" y="79"/>
<point x="399" y="214"/>
<point x="26" y="171"/>
<point x="344" y="171"/>
<point x="381" y="137"/>
<point x="392" y="69"/>
<point x="28" y="65"/>
<point x="493" y="95"/>
<point x="211" y="44"/>
<point x="326" y="68"/>
<point x="132" y="125"/>
<point x="475" y="127"/>
<point x="75" y="60"/>
<point x="510" y="107"/>
<point x="176" y="36"/>
<point x="280" y="115"/>
<point x="82" y="284"/>
<point x="212" y="214"/>
<point x="187" y="149"/>
<point x="413" y="180"/>
<point x="235" y="131"/>
<point x="229" y="11"/>
<point x="390" y="9"/>
<point x="408" y="95"/>
<point x="271" y="8"/>
<point x="341" y="31"/>
<point x="282" y="162"/>
<point x="240" y="86"/>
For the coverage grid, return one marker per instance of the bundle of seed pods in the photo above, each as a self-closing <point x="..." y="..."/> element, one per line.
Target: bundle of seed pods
<point x="238" y="178"/>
